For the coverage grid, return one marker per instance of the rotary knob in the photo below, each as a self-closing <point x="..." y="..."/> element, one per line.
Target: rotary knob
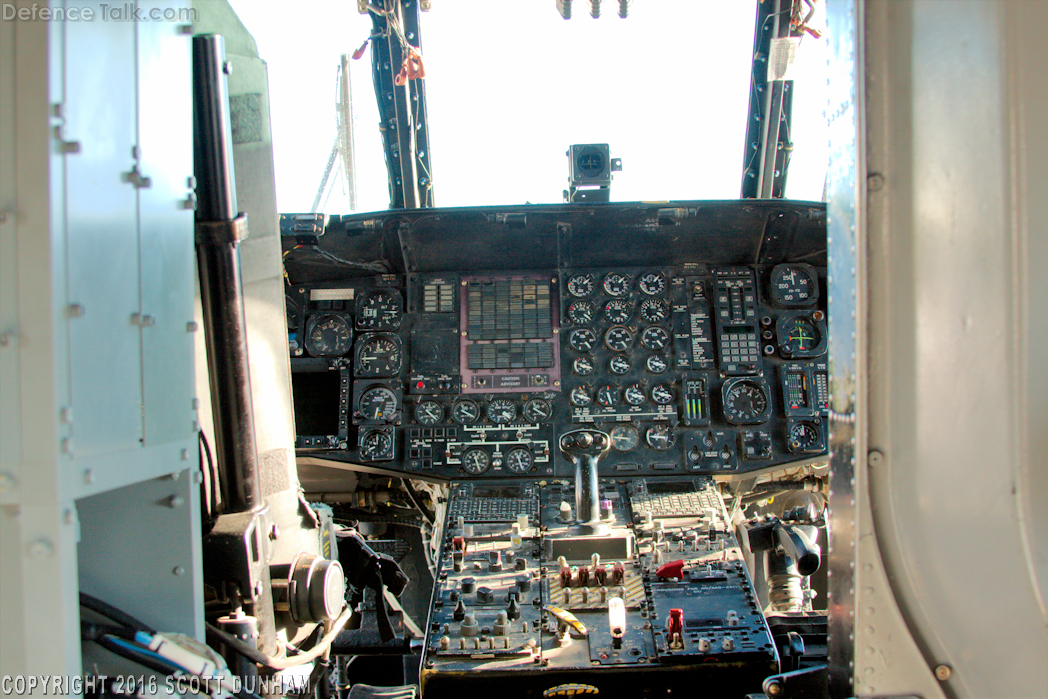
<point x="485" y="595"/>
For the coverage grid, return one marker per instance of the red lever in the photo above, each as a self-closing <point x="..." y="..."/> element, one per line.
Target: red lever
<point x="673" y="569"/>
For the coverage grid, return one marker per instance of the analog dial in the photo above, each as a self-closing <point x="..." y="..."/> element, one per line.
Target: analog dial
<point x="652" y="283"/>
<point x="799" y="336"/>
<point x="375" y="444"/>
<point x="618" y="338"/>
<point x="581" y="285"/>
<point x="634" y="394"/>
<point x="619" y="364"/>
<point x="429" y="412"/>
<point x="519" y="460"/>
<point x="616" y="284"/>
<point x="581" y="397"/>
<point x="624" y="437"/>
<point x="804" y="436"/>
<point x="583" y="366"/>
<point x="655" y="338"/>
<point x="378" y="355"/>
<point x="662" y="394"/>
<point x="379" y="310"/>
<point x="378" y="403"/>
<point x="580" y="312"/>
<point x="745" y="402"/>
<point x="618" y="311"/>
<point x="465" y="411"/>
<point x="582" y="339"/>
<point x="660" y="437"/>
<point x="538" y="410"/>
<point x="656" y="364"/>
<point x="794" y="285"/>
<point x="607" y="395"/>
<point x="476" y="460"/>
<point x="654" y="310"/>
<point x="502" y="411"/>
<point x="329" y="335"/>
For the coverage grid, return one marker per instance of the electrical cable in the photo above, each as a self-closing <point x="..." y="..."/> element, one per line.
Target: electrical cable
<point x="142" y="656"/>
<point x="283" y="663"/>
<point x="414" y="501"/>
<point x="108" y="610"/>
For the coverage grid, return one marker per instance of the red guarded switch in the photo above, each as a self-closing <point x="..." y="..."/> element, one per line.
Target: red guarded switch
<point x="671" y="570"/>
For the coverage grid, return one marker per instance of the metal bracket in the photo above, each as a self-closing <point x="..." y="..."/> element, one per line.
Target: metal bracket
<point x="65" y="147"/>
<point x="222" y="232"/>
<point x="136" y="178"/>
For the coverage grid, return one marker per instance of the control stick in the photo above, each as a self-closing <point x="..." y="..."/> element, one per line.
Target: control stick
<point x="585" y="447"/>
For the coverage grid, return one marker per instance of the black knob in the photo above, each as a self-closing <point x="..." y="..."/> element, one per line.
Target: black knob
<point x="513" y="612"/>
<point x="494" y="561"/>
<point x="460" y="612"/>
<point x="523" y="583"/>
<point x="468" y="584"/>
<point x="485" y="595"/>
<point x="520" y="564"/>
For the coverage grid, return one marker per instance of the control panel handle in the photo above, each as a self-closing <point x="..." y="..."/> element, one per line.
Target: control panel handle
<point x="584" y="447"/>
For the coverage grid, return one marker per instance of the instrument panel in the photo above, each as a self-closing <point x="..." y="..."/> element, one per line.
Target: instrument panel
<point x="703" y="365"/>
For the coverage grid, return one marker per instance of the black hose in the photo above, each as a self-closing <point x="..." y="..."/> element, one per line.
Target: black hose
<point x="108" y="610"/>
<point x="234" y="643"/>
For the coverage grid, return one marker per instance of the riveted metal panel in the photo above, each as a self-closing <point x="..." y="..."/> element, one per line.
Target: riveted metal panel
<point x="102" y="237"/>
<point x="140" y="550"/>
<point x="165" y="137"/>
<point x="844" y="219"/>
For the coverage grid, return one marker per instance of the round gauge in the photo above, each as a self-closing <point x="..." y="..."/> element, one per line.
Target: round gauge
<point x="619" y="364"/>
<point x="660" y="437"/>
<point x="580" y="312"/>
<point x="804" y="436"/>
<point x="624" y="437"/>
<point x="375" y="444"/>
<point x="634" y="394"/>
<point x="745" y="402"/>
<point x="656" y="364"/>
<point x="616" y="284"/>
<point x="580" y="396"/>
<point x="519" y="460"/>
<point x="429" y="412"/>
<point x="379" y="310"/>
<point x="794" y="285"/>
<point x="654" y="310"/>
<point x="618" y="338"/>
<point x="538" y="410"/>
<point x="618" y="311"/>
<point x="652" y="283"/>
<point x="476" y="460"/>
<point x="581" y="285"/>
<point x="799" y="336"/>
<point x="583" y="366"/>
<point x="378" y="403"/>
<point x="465" y="411"/>
<point x="378" y="355"/>
<point x="662" y="394"/>
<point x="655" y="338"/>
<point x="329" y="335"/>
<point x="502" y="411"/>
<point x="606" y="395"/>
<point x="582" y="340"/>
